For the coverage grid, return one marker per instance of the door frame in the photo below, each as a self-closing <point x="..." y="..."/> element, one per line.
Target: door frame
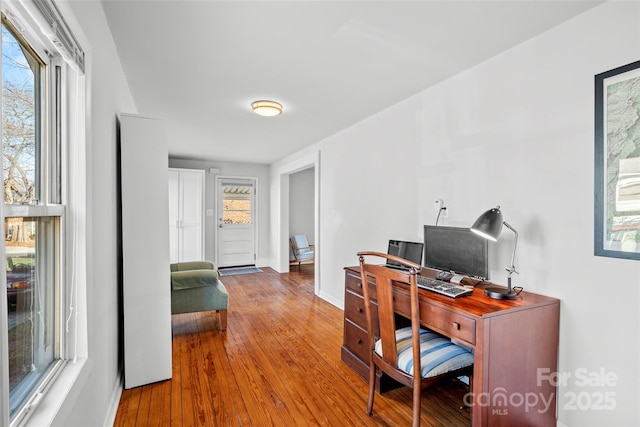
<point x="280" y="217"/>
<point x="216" y="198"/>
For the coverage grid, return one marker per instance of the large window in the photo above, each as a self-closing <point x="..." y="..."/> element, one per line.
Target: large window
<point x="35" y="135"/>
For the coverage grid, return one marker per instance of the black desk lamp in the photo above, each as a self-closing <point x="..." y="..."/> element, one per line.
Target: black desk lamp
<point x="489" y="226"/>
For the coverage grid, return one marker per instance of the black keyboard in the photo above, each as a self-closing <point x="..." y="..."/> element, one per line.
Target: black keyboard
<point x="444" y="288"/>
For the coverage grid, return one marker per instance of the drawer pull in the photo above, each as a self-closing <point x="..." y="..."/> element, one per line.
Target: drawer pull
<point x="359" y="341"/>
<point x="359" y="284"/>
<point x="456" y="326"/>
<point x="359" y="309"/>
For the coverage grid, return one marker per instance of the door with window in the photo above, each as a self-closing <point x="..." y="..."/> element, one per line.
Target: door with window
<point x="236" y="222"/>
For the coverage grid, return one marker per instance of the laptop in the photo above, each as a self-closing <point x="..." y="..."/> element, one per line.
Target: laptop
<point x="411" y="251"/>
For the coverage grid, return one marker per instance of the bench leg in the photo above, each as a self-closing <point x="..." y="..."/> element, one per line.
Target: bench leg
<point x="223" y="319"/>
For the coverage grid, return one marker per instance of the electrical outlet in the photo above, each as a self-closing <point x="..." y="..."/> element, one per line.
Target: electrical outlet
<point x="441" y="209"/>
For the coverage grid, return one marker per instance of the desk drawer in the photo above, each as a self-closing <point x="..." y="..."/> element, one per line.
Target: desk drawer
<point x="353" y="283"/>
<point x="448" y="322"/>
<point x="354" y="310"/>
<point x="356" y="340"/>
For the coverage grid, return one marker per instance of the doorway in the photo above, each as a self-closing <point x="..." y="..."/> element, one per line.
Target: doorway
<point x="280" y="221"/>
<point x="236" y="213"/>
<point x="302" y="204"/>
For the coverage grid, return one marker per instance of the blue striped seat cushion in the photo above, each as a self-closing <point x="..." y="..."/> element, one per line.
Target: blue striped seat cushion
<point x="438" y="354"/>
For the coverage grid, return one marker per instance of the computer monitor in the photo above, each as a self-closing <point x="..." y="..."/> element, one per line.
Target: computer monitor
<point x="456" y="249"/>
<point x="411" y="251"/>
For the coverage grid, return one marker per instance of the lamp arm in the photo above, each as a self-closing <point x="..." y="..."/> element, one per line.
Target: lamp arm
<point x="512" y="269"/>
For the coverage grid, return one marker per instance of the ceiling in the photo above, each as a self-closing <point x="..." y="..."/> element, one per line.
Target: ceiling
<point x="198" y="65"/>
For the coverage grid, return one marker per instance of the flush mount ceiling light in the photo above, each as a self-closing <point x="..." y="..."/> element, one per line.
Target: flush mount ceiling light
<point x="266" y="108"/>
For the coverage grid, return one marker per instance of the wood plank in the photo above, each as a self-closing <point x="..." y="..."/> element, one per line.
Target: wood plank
<point x="176" y="379"/>
<point x="129" y="403"/>
<point x="278" y="363"/>
<point x="143" y="408"/>
<point x="229" y="407"/>
<point x="186" y="386"/>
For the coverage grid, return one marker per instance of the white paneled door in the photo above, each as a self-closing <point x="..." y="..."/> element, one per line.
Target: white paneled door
<point x="236" y="221"/>
<point x="186" y="203"/>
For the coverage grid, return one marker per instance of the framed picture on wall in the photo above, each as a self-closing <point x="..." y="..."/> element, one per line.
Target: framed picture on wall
<point x="617" y="162"/>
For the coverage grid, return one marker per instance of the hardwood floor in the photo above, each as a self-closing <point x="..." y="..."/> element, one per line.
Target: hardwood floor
<point x="277" y="364"/>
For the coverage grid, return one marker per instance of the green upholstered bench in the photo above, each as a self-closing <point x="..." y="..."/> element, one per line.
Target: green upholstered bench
<point x="195" y="287"/>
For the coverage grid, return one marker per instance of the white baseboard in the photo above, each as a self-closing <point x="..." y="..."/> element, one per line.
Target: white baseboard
<point x="330" y="299"/>
<point x="115" y="402"/>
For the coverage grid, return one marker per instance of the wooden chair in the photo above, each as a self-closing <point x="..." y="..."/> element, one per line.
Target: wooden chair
<point x="301" y="250"/>
<point x="395" y="350"/>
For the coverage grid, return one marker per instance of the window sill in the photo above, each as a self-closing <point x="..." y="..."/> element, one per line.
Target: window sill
<point x="64" y="389"/>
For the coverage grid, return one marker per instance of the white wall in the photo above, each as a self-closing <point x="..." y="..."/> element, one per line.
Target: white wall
<point x="369" y="190"/>
<point x="249" y="170"/>
<point x="517" y="131"/>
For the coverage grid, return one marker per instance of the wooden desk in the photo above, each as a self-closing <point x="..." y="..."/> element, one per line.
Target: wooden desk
<point x="515" y="347"/>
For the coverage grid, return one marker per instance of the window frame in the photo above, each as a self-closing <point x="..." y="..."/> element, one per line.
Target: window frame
<point x="45" y="87"/>
<point x="61" y="189"/>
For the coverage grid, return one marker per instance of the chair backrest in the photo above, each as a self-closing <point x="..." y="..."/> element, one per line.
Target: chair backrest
<point x="191" y="265"/>
<point x="300" y="245"/>
<point x="300" y="241"/>
<point x="386" y="324"/>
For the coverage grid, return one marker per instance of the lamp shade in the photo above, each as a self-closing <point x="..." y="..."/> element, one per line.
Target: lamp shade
<point x="489" y="224"/>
